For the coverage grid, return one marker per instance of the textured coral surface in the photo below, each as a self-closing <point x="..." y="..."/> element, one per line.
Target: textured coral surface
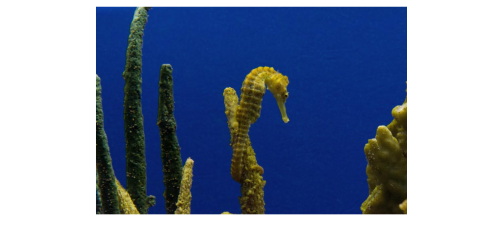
<point x="386" y="169"/>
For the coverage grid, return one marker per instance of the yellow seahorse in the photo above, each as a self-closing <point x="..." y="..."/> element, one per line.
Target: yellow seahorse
<point x="248" y="110"/>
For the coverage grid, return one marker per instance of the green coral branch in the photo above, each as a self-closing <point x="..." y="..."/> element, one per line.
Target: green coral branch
<point x="134" y="130"/>
<point x="105" y="173"/>
<point x="170" y="150"/>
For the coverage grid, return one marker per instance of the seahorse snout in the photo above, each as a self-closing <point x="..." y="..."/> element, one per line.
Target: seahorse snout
<point x="281" y="99"/>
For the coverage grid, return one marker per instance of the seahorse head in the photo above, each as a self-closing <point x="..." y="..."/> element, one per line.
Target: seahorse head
<point x="277" y="84"/>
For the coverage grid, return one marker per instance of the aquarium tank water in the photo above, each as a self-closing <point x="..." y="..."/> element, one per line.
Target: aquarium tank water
<point x="347" y="69"/>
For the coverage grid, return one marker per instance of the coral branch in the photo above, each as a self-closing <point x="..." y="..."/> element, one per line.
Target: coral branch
<point x="184" y="202"/>
<point x="134" y="130"/>
<point x="170" y="150"/>
<point x="126" y="204"/>
<point x="252" y="186"/>
<point x="386" y="169"/>
<point x="231" y="104"/>
<point x="105" y="173"/>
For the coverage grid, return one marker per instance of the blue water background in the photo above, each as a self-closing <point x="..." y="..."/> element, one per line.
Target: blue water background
<point x="347" y="70"/>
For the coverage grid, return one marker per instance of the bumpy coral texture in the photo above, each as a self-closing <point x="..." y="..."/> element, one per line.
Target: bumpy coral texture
<point x="124" y="200"/>
<point x="184" y="200"/>
<point x="386" y="169"/>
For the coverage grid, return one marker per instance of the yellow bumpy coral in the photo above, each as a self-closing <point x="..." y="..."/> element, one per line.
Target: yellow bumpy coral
<point x="252" y="186"/>
<point x="386" y="170"/>
<point x="231" y="104"/>
<point x="399" y="125"/>
<point x="125" y="201"/>
<point x="184" y="200"/>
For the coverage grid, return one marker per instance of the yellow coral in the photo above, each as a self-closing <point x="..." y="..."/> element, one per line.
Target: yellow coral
<point x="402" y="206"/>
<point x="398" y="126"/>
<point x="386" y="169"/>
<point x="124" y="201"/>
<point x="252" y="186"/>
<point x="184" y="200"/>
<point x="231" y="103"/>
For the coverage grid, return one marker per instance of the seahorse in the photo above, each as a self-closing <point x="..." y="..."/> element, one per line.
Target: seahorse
<point x="248" y="110"/>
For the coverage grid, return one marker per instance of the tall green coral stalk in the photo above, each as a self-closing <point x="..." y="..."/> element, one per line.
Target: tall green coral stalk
<point x="105" y="173"/>
<point x="134" y="130"/>
<point x="170" y="150"/>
